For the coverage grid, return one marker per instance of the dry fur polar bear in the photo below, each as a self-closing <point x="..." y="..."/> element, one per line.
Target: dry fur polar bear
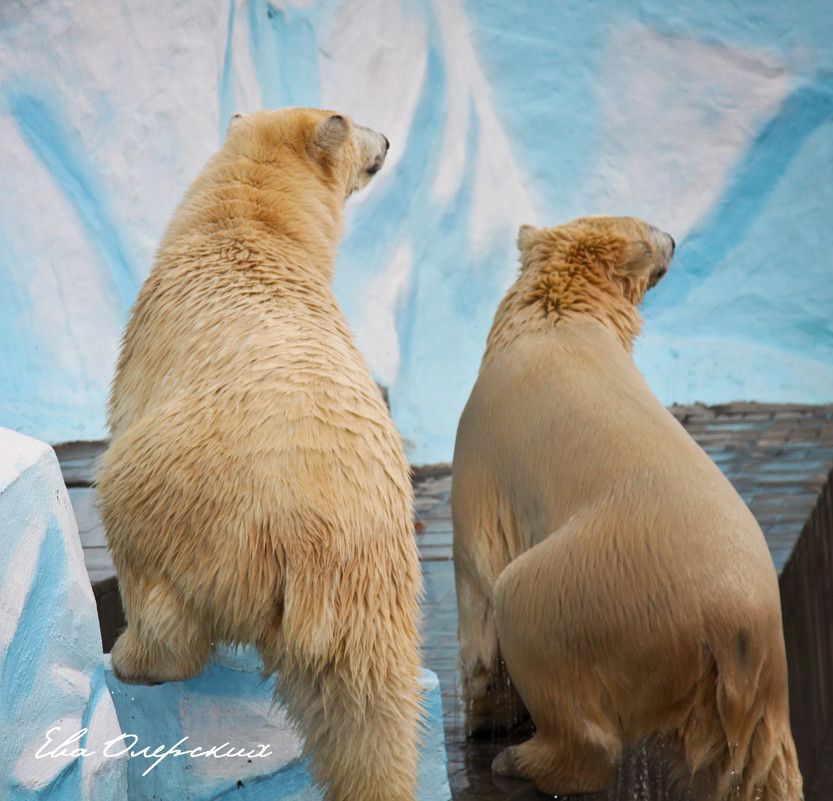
<point x="255" y="489"/>
<point x="628" y="586"/>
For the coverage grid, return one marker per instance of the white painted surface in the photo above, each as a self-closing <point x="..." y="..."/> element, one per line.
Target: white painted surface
<point x="51" y="666"/>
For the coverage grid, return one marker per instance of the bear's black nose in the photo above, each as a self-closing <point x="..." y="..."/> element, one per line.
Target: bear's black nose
<point x="673" y="243"/>
<point x="387" y="144"/>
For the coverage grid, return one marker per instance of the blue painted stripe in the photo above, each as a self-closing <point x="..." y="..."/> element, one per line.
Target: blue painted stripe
<point x="227" y="95"/>
<point x="296" y="50"/>
<point x="23" y="663"/>
<point x="51" y="140"/>
<point x="263" y="56"/>
<point x="453" y="283"/>
<point x="98" y="686"/>
<point x="755" y="178"/>
<point x="284" y="50"/>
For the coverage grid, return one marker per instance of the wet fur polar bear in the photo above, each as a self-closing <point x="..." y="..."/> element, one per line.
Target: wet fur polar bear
<point x="628" y="586"/>
<point x="255" y="489"/>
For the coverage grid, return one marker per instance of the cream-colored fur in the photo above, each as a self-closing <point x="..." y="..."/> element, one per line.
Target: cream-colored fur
<point x="255" y="489"/>
<point x="600" y="552"/>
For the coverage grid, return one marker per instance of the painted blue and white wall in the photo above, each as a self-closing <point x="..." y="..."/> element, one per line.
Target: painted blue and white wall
<point x="713" y="120"/>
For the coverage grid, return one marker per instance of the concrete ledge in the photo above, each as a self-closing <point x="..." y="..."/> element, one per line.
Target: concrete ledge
<point x="232" y="741"/>
<point x="55" y="712"/>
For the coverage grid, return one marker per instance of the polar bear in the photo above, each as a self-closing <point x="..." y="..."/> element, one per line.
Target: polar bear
<point x="255" y="489"/>
<point x="599" y="552"/>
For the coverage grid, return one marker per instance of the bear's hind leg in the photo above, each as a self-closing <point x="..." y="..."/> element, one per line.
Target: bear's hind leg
<point x="360" y="725"/>
<point x="350" y="681"/>
<point x="164" y="641"/>
<point x="557" y="767"/>
<point x="491" y="702"/>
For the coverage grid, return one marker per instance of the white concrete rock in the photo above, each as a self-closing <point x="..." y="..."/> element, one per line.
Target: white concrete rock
<point x="56" y="714"/>
<point x="220" y="733"/>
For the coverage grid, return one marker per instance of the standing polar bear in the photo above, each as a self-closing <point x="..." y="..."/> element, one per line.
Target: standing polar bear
<point x="599" y="552"/>
<point x="255" y="489"/>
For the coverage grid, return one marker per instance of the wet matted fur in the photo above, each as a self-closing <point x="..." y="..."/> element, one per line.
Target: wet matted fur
<point x="255" y="489"/>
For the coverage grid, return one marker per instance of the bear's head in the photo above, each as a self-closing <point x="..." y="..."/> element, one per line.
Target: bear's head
<point x="344" y="154"/>
<point x="598" y="267"/>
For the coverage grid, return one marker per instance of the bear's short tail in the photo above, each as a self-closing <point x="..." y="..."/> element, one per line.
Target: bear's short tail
<point x="736" y="738"/>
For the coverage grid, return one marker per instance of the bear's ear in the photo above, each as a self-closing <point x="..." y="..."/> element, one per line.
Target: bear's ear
<point x="233" y="120"/>
<point x="331" y="134"/>
<point x="526" y="233"/>
<point x="637" y="255"/>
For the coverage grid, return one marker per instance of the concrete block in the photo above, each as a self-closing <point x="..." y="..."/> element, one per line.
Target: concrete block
<point x="56" y="714"/>
<point x="220" y="736"/>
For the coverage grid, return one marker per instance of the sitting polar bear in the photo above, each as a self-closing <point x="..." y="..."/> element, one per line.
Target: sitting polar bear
<point x="255" y="489"/>
<point x="599" y="552"/>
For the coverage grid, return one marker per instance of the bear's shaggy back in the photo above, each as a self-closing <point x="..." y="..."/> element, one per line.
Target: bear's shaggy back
<point x="256" y="231"/>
